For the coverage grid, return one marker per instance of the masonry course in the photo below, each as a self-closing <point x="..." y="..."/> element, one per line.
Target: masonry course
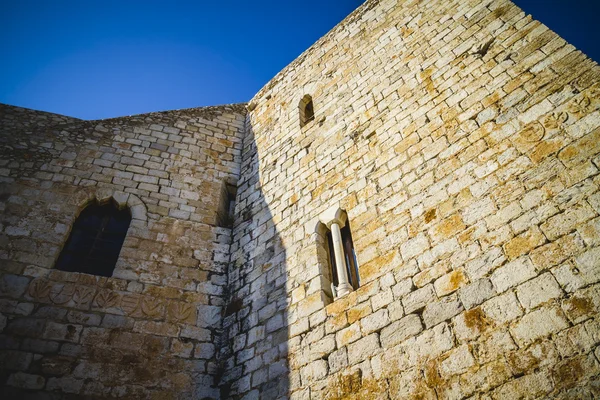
<point x="462" y="138"/>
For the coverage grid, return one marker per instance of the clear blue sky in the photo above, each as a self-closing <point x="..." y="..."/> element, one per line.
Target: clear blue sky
<point x="97" y="59"/>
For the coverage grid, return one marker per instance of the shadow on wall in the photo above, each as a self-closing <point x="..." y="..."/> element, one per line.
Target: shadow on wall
<point x="254" y="351"/>
<point x="136" y="334"/>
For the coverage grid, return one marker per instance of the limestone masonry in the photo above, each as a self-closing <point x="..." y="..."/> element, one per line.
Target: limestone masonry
<point x="459" y="140"/>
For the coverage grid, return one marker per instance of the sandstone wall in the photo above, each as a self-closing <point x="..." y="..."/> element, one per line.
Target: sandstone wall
<point x="151" y="330"/>
<point x="463" y="140"/>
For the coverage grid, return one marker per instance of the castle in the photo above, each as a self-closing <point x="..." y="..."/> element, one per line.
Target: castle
<point x="409" y="210"/>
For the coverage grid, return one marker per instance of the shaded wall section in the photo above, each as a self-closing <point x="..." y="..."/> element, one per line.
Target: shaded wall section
<point x="150" y="329"/>
<point x="255" y="345"/>
<point x="461" y="137"/>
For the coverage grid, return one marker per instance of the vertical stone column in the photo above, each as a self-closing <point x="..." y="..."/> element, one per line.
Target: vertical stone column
<point x="343" y="286"/>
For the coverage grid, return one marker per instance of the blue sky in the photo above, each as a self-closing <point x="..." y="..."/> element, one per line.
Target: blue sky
<point x="98" y="59"/>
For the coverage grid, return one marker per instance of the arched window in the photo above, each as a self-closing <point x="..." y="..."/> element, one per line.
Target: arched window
<point x="307" y="111"/>
<point x="95" y="240"/>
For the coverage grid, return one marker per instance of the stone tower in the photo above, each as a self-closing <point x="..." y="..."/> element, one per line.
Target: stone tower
<point x="416" y="216"/>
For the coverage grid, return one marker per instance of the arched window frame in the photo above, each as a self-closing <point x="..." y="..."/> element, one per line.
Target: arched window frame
<point x="306" y="110"/>
<point x="120" y="200"/>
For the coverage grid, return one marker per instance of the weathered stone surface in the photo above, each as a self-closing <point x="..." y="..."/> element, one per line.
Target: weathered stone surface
<point x="400" y="330"/>
<point x="538" y="324"/>
<point x="476" y="293"/>
<point x="418" y="299"/>
<point x="512" y="274"/>
<point x="502" y="309"/>
<point x="363" y="349"/>
<point x="459" y="141"/>
<point x="458" y="361"/>
<point x="538" y="290"/>
<point x="441" y="310"/>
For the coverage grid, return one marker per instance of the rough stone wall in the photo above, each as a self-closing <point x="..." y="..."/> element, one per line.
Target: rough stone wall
<point x="151" y="330"/>
<point x="463" y="140"/>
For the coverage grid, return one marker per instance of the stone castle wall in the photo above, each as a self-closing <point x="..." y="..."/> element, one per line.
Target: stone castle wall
<point x="152" y="329"/>
<point x="462" y="138"/>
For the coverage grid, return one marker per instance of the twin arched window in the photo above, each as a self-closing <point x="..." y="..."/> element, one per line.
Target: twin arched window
<point x="95" y="240"/>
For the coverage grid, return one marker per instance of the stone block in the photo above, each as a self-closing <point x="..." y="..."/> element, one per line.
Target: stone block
<point x="359" y="311"/>
<point x="26" y="381"/>
<point x="441" y="310"/>
<point x="562" y="224"/>
<point x="206" y="351"/>
<point x="430" y="274"/>
<point x="374" y="322"/>
<point x="66" y="384"/>
<point x="338" y="360"/>
<point x="418" y="299"/>
<point x="450" y="282"/>
<point x="556" y="252"/>
<point x="348" y="335"/>
<point x="182" y="349"/>
<point x="502" y="309"/>
<point x="588" y="265"/>
<point x="335" y="323"/>
<point x="457" y="361"/>
<point x="528" y="386"/>
<point x="447" y="228"/>
<point x="469" y="325"/>
<point x="192" y="332"/>
<point x="62" y="332"/>
<point x="402" y="288"/>
<point x="275" y="323"/>
<point x="313" y="303"/>
<point x="537" y="291"/>
<point x="382" y="299"/>
<point x="574" y="341"/>
<point x="414" y="247"/>
<point x="478" y="211"/>
<point x="13" y="285"/>
<point x="583" y="304"/>
<point x="524" y="243"/>
<point x="16" y="360"/>
<point x="156" y="328"/>
<point x="590" y="232"/>
<point x="575" y="371"/>
<point x="539" y="324"/>
<point x="513" y="273"/>
<point x="494" y="345"/>
<point x="476" y="293"/>
<point x="363" y="349"/>
<point x="429" y="344"/>
<point x="314" y="371"/>
<point x="208" y="316"/>
<point x="322" y="348"/>
<point x="400" y="330"/>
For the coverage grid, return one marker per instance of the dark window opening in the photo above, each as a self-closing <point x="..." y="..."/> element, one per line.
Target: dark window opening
<point x="349" y="255"/>
<point x="225" y="214"/>
<point x="95" y="240"/>
<point x="307" y="112"/>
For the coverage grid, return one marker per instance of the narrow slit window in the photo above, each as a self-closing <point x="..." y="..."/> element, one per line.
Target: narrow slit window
<point x="307" y="111"/>
<point x="225" y="214"/>
<point x="95" y="240"/>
